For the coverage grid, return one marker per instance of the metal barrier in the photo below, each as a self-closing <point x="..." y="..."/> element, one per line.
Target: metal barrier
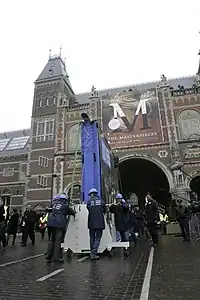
<point x="194" y="226"/>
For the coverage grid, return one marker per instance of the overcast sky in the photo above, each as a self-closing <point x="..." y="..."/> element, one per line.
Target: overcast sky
<point x="106" y="43"/>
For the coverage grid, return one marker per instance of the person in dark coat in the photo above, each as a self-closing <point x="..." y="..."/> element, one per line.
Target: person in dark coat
<point x="2" y="225"/>
<point x="182" y="216"/>
<point x="139" y="215"/>
<point x="133" y="226"/>
<point x="13" y="226"/>
<point x="57" y="221"/>
<point x="120" y="210"/>
<point x="96" y="222"/>
<point x="28" y="222"/>
<point x="152" y="218"/>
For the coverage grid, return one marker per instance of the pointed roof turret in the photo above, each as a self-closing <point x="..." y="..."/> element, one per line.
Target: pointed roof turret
<point x="54" y="69"/>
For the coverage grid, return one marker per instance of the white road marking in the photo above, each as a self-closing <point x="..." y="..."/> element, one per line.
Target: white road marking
<point x="50" y="275"/>
<point x="20" y="260"/>
<point x="83" y="258"/>
<point x="147" y="278"/>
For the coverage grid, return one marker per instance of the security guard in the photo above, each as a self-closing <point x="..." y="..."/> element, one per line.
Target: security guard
<point x="96" y="223"/>
<point x="57" y="221"/>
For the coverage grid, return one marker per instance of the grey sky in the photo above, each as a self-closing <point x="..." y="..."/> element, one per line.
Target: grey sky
<point x="106" y="43"/>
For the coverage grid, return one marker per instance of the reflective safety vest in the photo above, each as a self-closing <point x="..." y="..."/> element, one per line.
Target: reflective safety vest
<point x="163" y="218"/>
<point x="43" y="221"/>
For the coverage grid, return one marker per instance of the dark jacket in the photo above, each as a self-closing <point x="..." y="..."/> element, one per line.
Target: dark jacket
<point x="29" y="218"/>
<point x="58" y="215"/>
<point x="96" y="210"/>
<point x="139" y="215"/>
<point x="2" y="212"/>
<point x="13" y="223"/>
<point x="151" y="212"/>
<point x="121" y="216"/>
<point x="132" y="221"/>
<point x="182" y="212"/>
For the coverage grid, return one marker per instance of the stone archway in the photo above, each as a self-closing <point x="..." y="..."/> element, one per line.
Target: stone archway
<point x="141" y="174"/>
<point x="165" y="170"/>
<point x="76" y="190"/>
<point x="193" y="184"/>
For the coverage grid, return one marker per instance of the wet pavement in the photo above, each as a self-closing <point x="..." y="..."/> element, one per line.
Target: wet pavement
<point x="109" y="278"/>
<point x="176" y="270"/>
<point x="175" y="274"/>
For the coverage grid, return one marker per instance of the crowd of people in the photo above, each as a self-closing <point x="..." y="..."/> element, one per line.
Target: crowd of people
<point x="131" y="223"/>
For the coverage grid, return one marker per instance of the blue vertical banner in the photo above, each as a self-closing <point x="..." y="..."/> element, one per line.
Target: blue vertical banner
<point x="91" y="168"/>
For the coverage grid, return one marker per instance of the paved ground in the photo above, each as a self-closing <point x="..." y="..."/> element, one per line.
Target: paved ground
<point x="109" y="278"/>
<point x="176" y="271"/>
<point x="175" y="274"/>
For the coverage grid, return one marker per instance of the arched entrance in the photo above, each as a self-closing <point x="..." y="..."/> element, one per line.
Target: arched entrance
<point x="140" y="175"/>
<point x="76" y="195"/>
<point x="195" y="188"/>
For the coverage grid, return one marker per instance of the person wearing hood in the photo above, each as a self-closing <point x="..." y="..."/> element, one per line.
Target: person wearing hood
<point x="2" y="225"/>
<point x="96" y="222"/>
<point x="57" y="221"/>
<point x="120" y="211"/>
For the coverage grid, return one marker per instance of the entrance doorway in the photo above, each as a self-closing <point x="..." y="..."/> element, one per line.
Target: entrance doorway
<point x="195" y="188"/>
<point x="139" y="176"/>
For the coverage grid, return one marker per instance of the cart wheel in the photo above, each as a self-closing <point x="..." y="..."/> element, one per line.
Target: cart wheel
<point x="111" y="252"/>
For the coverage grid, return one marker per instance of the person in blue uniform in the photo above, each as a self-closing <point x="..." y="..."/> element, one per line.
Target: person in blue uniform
<point x="57" y="221"/>
<point x="96" y="222"/>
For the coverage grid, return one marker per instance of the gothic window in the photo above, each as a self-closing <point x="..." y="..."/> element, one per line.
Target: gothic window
<point x="43" y="161"/>
<point x="7" y="172"/>
<point x="42" y="180"/>
<point x="189" y="123"/>
<point x="45" y="130"/>
<point x="76" y="192"/>
<point x="73" y="137"/>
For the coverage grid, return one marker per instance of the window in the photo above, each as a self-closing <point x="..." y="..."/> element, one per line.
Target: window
<point x="54" y="100"/>
<point x="72" y="138"/>
<point x="45" y="130"/>
<point x="18" y="143"/>
<point x="43" y="161"/>
<point x="189" y="123"/>
<point x="43" y="102"/>
<point x="3" y="143"/>
<point x="8" y="172"/>
<point x="42" y="180"/>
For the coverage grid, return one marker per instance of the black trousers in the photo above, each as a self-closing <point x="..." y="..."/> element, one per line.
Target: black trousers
<point x="153" y="230"/>
<point x="54" y="245"/>
<point x="14" y="234"/>
<point x="3" y="234"/>
<point x="29" y="231"/>
<point x="185" y="231"/>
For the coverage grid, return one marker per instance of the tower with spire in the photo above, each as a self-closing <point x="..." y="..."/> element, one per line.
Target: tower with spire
<point x="53" y="90"/>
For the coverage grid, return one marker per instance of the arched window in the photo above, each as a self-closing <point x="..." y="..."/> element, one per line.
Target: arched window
<point x="76" y="195"/>
<point x="189" y="123"/>
<point x="72" y="138"/>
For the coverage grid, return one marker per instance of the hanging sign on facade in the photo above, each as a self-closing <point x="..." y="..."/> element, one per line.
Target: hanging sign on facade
<point x="132" y="118"/>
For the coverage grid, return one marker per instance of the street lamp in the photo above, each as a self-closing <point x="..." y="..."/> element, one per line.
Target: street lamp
<point x="53" y="175"/>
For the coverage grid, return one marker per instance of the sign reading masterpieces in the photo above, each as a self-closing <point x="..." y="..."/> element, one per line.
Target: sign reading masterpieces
<point x="131" y="119"/>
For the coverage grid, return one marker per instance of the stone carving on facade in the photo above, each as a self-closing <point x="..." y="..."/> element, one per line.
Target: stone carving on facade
<point x="162" y="153"/>
<point x="189" y="123"/>
<point x="178" y="177"/>
<point x="163" y="78"/>
<point x="94" y="92"/>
